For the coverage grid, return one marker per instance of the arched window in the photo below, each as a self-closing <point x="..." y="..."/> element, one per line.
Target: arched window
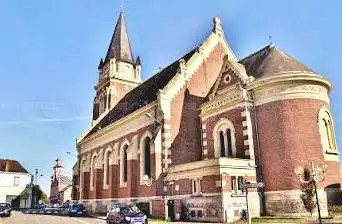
<point x="109" y="100"/>
<point x="104" y="102"/>
<point x="92" y="170"/>
<point x="107" y="168"/>
<point x="125" y="164"/>
<point x="229" y="142"/>
<point x="222" y="145"/>
<point x="327" y="132"/>
<point x="147" y="156"/>
<point x="224" y="139"/>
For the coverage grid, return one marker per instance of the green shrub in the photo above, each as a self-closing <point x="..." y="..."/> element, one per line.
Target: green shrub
<point x="144" y="207"/>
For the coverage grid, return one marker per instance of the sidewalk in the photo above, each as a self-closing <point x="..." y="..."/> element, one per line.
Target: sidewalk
<point x="263" y="221"/>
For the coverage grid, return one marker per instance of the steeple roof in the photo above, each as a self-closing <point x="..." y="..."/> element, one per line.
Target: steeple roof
<point x="271" y="61"/>
<point x="120" y="47"/>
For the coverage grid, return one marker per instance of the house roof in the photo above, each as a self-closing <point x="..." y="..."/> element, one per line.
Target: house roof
<point x="120" y="47"/>
<point x="141" y="95"/>
<point x="65" y="188"/>
<point x="270" y="61"/>
<point x="7" y="165"/>
<point x="64" y="180"/>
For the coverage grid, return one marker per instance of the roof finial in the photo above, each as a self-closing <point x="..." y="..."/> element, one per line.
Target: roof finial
<point x="270" y="41"/>
<point x="217" y="26"/>
<point x="122" y="6"/>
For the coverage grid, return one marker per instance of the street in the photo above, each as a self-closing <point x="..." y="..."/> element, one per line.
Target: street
<point x="21" y="218"/>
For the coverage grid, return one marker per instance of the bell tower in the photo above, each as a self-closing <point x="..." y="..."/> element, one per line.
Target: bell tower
<point x="118" y="72"/>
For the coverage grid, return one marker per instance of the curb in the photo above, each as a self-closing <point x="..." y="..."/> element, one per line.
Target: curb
<point x="96" y="216"/>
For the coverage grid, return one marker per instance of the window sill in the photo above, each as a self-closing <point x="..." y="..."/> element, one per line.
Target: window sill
<point x="239" y="194"/>
<point x="196" y="194"/>
<point x="123" y="184"/>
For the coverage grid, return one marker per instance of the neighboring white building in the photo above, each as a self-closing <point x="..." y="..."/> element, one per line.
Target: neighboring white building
<point x="15" y="184"/>
<point x="65" y="194"/>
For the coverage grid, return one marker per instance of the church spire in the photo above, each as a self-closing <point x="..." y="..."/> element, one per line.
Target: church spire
<point x="120" y="47"/>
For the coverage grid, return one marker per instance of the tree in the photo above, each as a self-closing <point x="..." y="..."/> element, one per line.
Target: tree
<point x="308" y="193"/>
<point x="38" y="195"/>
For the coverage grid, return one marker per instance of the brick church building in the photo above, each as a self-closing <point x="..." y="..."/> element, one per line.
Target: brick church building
<point x="184" y="140"/>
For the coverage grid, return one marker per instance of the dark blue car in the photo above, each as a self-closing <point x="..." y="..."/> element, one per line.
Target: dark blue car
<point x="126" y="214"/>
<point x="77" y="210"/>
<point x="5" y="209"/>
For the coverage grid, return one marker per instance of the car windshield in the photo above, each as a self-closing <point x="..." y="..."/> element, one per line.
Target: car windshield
<point x="4" y="205"/>
<point x="77" y="206"/>
<point x="129" y="209"/>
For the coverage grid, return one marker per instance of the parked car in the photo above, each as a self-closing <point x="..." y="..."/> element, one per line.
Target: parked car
<point x="77" y="210"/>
<point x="124" y="214"/>
<point x="5" y="209"/>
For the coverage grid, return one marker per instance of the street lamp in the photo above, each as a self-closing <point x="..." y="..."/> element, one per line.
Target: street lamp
<point x="317" y="174"/>
<point x="71" y="154"/>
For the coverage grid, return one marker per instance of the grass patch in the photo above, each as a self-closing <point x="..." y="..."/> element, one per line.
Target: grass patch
<point x="292" y="219"/>
<point x="155" y="221"/>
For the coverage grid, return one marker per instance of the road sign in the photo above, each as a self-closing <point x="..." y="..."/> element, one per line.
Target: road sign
<point x="253" y="185"/>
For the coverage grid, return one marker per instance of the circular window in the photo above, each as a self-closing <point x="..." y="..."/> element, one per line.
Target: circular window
<point x="227" y="78"/>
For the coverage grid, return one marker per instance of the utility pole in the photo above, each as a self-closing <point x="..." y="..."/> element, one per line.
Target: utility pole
<point x="36" y="177"/>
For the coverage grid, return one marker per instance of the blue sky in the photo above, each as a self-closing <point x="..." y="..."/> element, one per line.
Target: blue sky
<point x="49" y="52"/>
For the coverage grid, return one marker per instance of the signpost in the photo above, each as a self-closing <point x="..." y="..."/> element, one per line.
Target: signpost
<point x="245" y="186"/>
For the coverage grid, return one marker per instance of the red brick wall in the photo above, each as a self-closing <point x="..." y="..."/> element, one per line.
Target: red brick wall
<point x="185" y="187"/>
<point x="115" y="181"/>
<point x="233" y="80"/>
<point x="86" y="186"/>
<point x="158" y="208"/>
<point x="99" y="183"/>
<point x="186" y="146"/>
<point x="208" y="184"/>
<point x="289" y="137"/>
<point x="133" y="189"/>
<point x="234" y="116"/>
<point x="143" y="190"/>
<point x="184" y="110"/>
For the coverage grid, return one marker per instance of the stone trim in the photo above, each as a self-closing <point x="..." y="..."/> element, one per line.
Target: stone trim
<point x="327" y="135"/>
<point x="92" y="170"/>
<point x="147" y="134"/>
<point x="107" y="153"/>
<point x="116" y="125"/>
<point x="232" y="166"/>
<point x="248" y="133"/>
<point x="291" y="85"/>
<point x="123" y="144"/>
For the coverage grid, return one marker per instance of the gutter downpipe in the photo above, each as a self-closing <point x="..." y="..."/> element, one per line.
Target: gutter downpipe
<point x="259" y="160"/>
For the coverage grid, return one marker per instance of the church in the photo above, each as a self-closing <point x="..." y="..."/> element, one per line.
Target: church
<point x="183" y="142"/>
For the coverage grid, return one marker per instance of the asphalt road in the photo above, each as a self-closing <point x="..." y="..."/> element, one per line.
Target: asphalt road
<point x="20" y="218"/>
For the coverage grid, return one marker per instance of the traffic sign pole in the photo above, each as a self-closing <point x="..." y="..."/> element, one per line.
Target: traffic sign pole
<point x="248" y="209"/>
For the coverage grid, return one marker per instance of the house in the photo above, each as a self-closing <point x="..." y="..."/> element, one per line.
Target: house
<point x="185" y="140"/>
<point x="15" y="184"/>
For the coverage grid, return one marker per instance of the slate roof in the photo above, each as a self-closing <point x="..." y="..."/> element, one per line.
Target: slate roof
<point x="120" y="47"/>
<point x="7" y="165"/>
<point x="64" y="180"/>
<point x="269" y="61"/>
<point x="141" y="95"/>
